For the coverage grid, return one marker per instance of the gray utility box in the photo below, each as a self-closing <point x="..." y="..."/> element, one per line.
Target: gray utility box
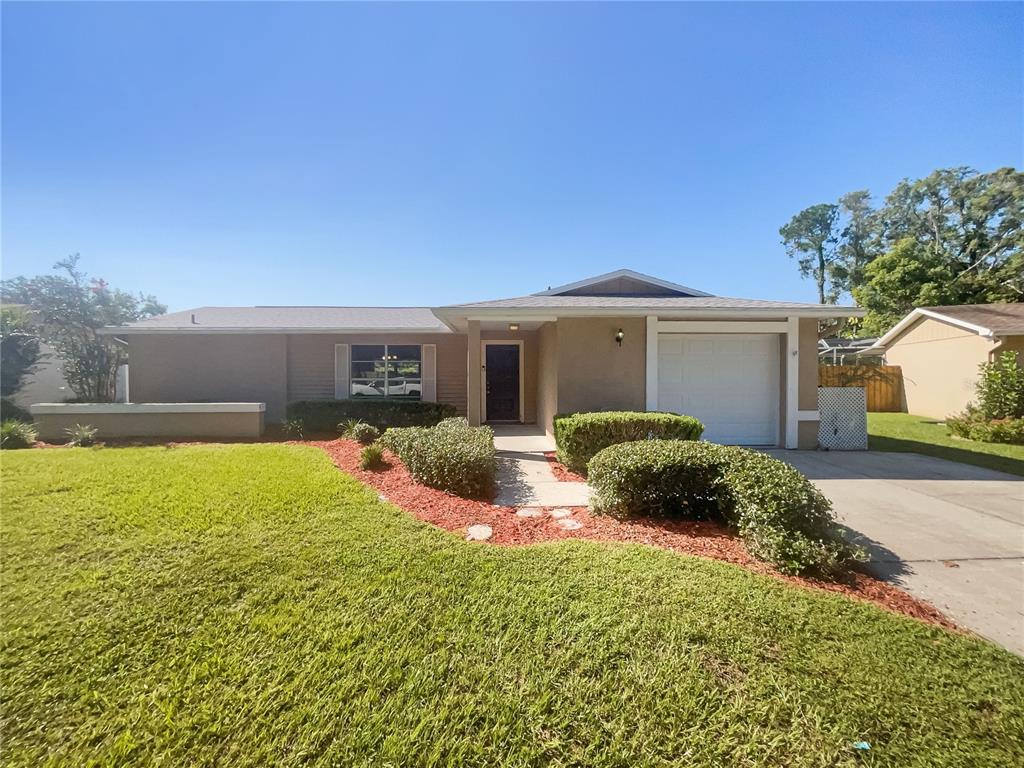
<point x="843" y="413"/>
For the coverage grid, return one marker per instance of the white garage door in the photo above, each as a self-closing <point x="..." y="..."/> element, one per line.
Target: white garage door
<point x="728" y="381"/>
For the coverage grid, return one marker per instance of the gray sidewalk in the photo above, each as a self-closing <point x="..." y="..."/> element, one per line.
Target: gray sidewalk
<point x="524" y="476"/>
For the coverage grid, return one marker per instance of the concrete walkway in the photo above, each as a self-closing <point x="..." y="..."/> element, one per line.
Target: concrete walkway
<point x="524" y="476"/>
<point x="950" y="533"/>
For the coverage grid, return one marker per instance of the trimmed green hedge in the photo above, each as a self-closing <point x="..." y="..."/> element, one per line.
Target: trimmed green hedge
<point x="581" y="436"/>
<point x="452" y="456"/>
<point x="781" y="516"/>
<point x="325" y="415"/>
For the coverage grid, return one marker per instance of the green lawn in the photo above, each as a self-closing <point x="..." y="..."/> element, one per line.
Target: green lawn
<point x="250" y="605"/>
<point x="918" y="434"/>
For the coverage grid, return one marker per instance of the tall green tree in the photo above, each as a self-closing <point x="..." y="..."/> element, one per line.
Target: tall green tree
<point x="858" y="239"/>
<point x="810" y="237"/>
<point x="68" y="309"/>
<point x="955" y="236"/>
<point x="19" y="349"/>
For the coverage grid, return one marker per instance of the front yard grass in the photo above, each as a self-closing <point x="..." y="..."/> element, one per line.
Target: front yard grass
<point x="251" y="605"/>
<point x="904" y="432"/>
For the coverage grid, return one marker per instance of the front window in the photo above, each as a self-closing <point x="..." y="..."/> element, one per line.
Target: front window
<point x="386" y="370"/>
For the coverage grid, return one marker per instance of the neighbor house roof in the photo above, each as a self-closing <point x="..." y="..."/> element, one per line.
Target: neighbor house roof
<point x="289" y="320"/>
<point x="983" y="319"/>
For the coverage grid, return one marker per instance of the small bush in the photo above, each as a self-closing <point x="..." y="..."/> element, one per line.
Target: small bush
<point x="581" y="436"/>
<point x="325" y="415"/>
<point x="293" y="428"/>
<point x="17" y="434"/>
<point x="778" y="512"/>
<point x="1000" y="388"/>
<point x="657" y="478"/>
<point x="372" y="456"/>
<point x="451" y="456"/>
<point x="81" y="435"/>
<point x="783" y="518"/>
<point x="359" y="431"/>
<point x="972" y="425"/>
<point x="10" y="411"/>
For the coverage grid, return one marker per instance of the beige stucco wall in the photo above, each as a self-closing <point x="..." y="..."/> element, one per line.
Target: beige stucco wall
<point x="109" y="426"/>
<point x="940" y="366"/>
<point x="595" y="373"/>
<point x="311" y="363"/>
<point x="807" y="397"/>
<point x="547" y="375"/>
<point x="1011" y="344"/>
<point x="166" y="368"/>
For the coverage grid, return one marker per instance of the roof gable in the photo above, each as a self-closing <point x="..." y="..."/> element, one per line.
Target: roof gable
<point x="622" y="282"/>
<point x="986" y="320"/>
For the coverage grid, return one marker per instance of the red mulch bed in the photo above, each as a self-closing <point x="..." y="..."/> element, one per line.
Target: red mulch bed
<point x="561" y="472"/>
<point x="703" y="539"/>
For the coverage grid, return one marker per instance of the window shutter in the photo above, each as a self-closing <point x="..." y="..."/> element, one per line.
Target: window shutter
<point x="429" y="384"/>
<point x="341" y="372"/>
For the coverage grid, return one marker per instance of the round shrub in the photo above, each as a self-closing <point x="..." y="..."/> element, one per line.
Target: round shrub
<point x="781" y="516"/>
<point x="657" y="477"/>
<point x="451" y="456"/>
<point x="359" y="431"/>
<point x="581" y="436"/>
<point x="17" y="434"/>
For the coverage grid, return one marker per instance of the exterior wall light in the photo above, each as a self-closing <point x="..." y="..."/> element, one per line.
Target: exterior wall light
<point x="513" y="326"/>
<point x="619" y="336"/>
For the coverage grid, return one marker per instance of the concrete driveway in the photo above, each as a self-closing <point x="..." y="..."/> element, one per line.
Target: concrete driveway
<point x="950" y="533"/>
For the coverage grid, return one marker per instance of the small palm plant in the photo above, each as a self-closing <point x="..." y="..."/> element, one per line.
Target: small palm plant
<point x="17" y="434"/>
<point x="81" y="435"/>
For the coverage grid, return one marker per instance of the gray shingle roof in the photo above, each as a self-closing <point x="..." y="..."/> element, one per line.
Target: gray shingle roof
<point x="633" y="302"/>
<point x="1001" y="319"/>
<point x="291" y="319"/>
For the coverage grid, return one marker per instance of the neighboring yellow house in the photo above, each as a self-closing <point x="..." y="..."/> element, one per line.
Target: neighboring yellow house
<point x="939" y="350"/>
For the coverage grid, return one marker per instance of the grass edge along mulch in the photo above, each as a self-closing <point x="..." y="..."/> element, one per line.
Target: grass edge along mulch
<point x="699" y="538"/>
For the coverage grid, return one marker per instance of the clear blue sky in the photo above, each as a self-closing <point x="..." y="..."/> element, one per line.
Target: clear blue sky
<point x="423" y="154"/>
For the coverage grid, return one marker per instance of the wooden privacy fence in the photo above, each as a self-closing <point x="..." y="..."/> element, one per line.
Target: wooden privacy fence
<point x="883" y="384"/>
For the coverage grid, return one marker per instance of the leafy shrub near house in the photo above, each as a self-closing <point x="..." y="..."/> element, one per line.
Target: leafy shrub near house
<point x="293" y="428"/>
<point x="10" y="411"/>
<point x="81" y="435"/>
<point x="325" y="415"/>
<point x="17" y="434"/>
<point x="998" y="416"/>
<point x="973" y="426"/>
<point x="781" y="516"/>
<point x="372" y="456"/>
<point x="581" y="436"/>
<point x="359" y="431"/>
<point x="452" y="456"/>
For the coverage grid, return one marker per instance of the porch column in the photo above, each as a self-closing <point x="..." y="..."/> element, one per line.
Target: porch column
<point x="474" y="369"/>
<point x="792" y="381"/>
<point x="652" y="363"/>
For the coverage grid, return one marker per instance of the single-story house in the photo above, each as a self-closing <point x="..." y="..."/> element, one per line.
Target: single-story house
<point x="939" y="350"/>
<point x="623" y="340"/>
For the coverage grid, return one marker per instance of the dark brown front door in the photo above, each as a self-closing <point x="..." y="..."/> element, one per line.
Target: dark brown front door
<point x="501" y="375"/>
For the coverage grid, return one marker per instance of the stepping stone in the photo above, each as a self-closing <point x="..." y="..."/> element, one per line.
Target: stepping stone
<point x="478" y="533"/>
<point x="528" y="512"/>
<point x="569" y="525"/>
<point x="559" y="514"/>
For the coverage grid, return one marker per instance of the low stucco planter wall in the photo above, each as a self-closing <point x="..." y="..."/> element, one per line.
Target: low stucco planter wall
<point x="115" y="420"/>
